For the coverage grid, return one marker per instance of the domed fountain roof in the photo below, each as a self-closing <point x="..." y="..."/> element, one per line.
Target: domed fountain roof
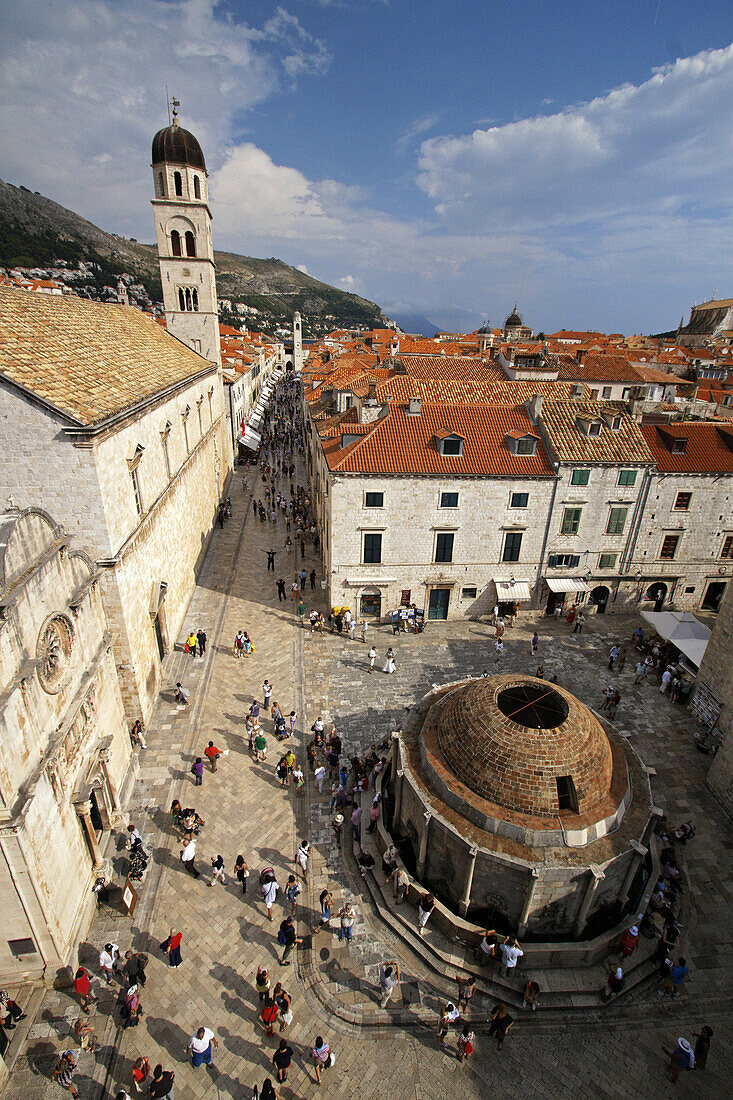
<point x="525" y="745"/>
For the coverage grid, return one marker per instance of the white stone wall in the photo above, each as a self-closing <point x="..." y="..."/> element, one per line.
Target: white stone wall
<point x="410" y="522"/>
<point x="50" y="738"/>
<point x="702" y="530"/>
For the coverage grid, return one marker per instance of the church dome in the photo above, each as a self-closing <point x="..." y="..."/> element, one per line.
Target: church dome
<point x="513" y="320"/>
<point x="174" y="145"/>
<point x="526" y="746"/>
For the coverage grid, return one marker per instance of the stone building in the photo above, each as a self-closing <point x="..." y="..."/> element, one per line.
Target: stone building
<point x="708" y="321"/>
<point x="515" y="806"/>
<point x="455" y="488"/>
<point x="65" y="765"/>
<point x="120" y="431"/>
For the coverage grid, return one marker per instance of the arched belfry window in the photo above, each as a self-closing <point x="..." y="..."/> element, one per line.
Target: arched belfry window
<point x="189" y="306"/>
<point x="196" y="187"/>
<point x="178" y="183"/>
<point x="161" y="184"/>
<point x="176" y="243"/>
<point x="190" y="244"/>
<point x="195" y="297"/>
<point x="181" y="299"/>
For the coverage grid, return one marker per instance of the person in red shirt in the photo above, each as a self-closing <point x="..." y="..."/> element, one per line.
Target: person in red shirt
<point x="83" y="989"/>
<point x="269" y="1015"/>
<point x="213" y="754"/>
<point x="629" y="942"/>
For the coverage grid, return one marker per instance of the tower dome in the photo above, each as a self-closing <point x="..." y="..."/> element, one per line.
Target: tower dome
<point x="513" y="320"/>
<point x="174" y="145"/>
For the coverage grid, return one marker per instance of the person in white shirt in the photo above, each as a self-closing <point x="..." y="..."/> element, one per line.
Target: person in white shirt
<point x="666" y="680"/>
<point x="108" y="960"/>
<point x="187" y="857"/>
<point x="389" y="979"/>
<point x="511" y="953"/>
<point x="319" y="775"/>
<point x="199" y="1046"/>
<point x="269" y="893"/>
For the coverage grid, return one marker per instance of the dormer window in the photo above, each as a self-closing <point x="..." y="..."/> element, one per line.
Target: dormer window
<point x="594" y="428"/>
<point x="521" y="443"/>
<point x="679" y="445"/>
<point x="449" y="443"/>
<point x="613" y="420"/>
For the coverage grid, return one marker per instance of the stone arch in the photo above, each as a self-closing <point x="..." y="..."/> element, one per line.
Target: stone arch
<point x="190" y="243"/>
<point x="178" y="183"/>
<point x="176" y="243"/>
<point x="196" y="187"/>
<point x="24" y="537"/>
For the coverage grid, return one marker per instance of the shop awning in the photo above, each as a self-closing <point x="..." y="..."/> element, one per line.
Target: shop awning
<point x="566" y="584"/>
<point x="251" y="438"/>
<point x="505" y="590"/>
<point x="683" y="630"/>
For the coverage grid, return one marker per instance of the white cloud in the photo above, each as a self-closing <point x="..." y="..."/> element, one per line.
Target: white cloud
<point x="656" y="148"/>
<point x="83" y="89"/>
<point x="419" y="127"/>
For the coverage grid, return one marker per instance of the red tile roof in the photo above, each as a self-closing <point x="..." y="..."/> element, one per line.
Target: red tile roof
<point x="709" y="447"/>
<point x="401" y="443"/>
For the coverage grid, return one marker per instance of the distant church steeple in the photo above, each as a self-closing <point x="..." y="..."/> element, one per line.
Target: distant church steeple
<point x="183" y="231"/>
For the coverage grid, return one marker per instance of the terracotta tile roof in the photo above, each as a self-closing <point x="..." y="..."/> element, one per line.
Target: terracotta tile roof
<point x="403" y="444"/>
<point x="650" y="374"/>
<point x="559" y="420"/>
<point x="709" y="447"/>
<point x="503" y="391"/>
<point x="457" y="367"/>
<point x="88" y="360"/>
<point x="597" y="367"/>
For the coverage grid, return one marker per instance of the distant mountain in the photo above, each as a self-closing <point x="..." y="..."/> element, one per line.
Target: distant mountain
<point x="35" y="231"/>
<point x="415" y="324"/>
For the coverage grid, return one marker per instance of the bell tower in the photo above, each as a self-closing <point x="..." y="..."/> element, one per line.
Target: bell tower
<point x="297" y="343"/>
<point x="183" y="231"/>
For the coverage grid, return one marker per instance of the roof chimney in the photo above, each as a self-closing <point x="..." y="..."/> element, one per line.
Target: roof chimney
<point x="372" y="390"/>
<point x="415" y="406"/>
<point x="534" y="407"/>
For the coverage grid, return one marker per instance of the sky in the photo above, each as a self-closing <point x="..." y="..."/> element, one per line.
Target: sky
<point x="442" y="158"/>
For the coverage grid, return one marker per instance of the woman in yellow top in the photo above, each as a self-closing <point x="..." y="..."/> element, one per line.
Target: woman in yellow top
<point x="191" y="643"/>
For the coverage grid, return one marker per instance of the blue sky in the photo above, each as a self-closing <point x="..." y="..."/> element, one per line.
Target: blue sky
<point x="437" y="157"/>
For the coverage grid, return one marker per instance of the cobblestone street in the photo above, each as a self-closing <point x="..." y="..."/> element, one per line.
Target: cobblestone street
<point x="613" y="1053"/>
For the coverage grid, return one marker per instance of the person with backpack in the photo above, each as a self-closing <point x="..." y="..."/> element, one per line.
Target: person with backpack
<point x="269" y="887"/>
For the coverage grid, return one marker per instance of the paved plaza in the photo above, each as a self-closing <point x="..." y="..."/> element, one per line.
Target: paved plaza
<point x="394" y="1052"/>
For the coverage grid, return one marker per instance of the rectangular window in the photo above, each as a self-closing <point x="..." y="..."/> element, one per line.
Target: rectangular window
<point x="452" y="446"/>
<point x="607" y="561"/>
<point x="137" y="493"/>
<point x="512" y="546"/>
<point x="374" y="500"/>
<point x="567" y="797"/>
<point x="627" y="477"/>
<point x="519" y="500"/>
<point x="727" y="551"/>
<point x="616" y="521"/>
<point x="682" y="502"/>
<point x="526" y="446"/>
<point x="606" y="392"/>
<point x="372" y="549"/>
<point x="469" y="593"/>
<point x="558" y="561"/>
<point x="669" y="547"/>
<point x="444" y="546"/>
<point x="626" y="393"/>
<point x="580" y="477"/>
<point x="449" y="500"/>
<point x="571" y="521"/>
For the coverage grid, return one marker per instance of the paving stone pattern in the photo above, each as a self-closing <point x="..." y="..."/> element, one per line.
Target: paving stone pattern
<point x="616" y="1053"/>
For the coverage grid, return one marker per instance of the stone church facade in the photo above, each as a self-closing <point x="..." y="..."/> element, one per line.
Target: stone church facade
<point x="66" y="763"/>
